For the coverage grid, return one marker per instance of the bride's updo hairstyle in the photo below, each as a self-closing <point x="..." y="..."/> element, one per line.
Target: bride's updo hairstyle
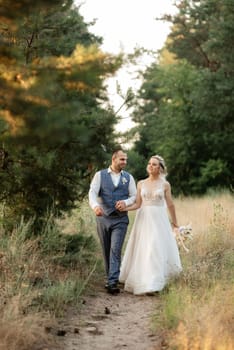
<point x="163" y="168"/>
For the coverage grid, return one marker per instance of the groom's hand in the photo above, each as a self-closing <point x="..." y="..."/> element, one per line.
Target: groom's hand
<point x="98" y="211"/>
<point x="120" y="205"/>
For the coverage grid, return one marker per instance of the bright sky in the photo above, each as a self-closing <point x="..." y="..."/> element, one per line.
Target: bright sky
<point x="124" y="25"/>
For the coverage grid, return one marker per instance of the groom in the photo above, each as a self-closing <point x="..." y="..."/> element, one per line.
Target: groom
<point x="111" y="190"/>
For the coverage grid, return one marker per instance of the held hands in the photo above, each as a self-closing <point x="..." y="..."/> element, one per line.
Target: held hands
<point x="120" y="205"/>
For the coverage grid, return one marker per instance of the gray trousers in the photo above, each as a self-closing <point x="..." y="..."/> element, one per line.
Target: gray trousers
<point x="111" y="232"/>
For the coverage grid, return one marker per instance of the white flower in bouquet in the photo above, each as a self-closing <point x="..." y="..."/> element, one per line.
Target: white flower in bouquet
<point x="182" y="234"/>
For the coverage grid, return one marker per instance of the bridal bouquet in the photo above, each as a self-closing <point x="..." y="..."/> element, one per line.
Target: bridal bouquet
<point x="182" y="234"/>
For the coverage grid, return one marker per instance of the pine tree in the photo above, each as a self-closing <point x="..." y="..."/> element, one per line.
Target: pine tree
<point x="186" y="104"/>
<point x="54" y="130"/>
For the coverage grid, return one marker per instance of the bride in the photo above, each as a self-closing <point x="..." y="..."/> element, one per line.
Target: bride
<point x="151" y="256"/>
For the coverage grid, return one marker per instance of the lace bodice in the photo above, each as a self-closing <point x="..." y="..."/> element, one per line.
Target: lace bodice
<point x="153" y="194"/>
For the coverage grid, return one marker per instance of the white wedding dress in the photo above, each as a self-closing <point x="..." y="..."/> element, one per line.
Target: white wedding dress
<point x="151" y="256"/>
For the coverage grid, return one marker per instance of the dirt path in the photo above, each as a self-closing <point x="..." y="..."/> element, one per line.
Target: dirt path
<point x="113" y="322"/>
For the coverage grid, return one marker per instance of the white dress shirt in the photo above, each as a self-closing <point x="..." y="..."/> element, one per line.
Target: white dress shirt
<point x="95" y="200"/>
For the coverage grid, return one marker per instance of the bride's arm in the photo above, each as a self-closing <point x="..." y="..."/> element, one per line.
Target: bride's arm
<point x="138" y="201"/>
<point x="170" y="205"/>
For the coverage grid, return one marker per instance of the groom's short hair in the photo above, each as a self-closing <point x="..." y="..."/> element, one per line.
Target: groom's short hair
<point x="116" y="150"/>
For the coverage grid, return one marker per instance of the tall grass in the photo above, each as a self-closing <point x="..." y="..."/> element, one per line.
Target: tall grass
<point x="197" y="308"/>
<point x="41" y="276"/>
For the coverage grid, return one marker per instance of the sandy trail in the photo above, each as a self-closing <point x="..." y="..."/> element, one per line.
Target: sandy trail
<point x="108" y="322"/>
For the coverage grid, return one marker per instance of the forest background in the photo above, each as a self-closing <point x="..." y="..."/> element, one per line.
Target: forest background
<point x="57" y="126"/>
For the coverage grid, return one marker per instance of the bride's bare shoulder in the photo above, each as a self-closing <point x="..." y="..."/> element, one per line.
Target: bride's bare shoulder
<point x="140" y="182"/>
<point x="167" y="184"/>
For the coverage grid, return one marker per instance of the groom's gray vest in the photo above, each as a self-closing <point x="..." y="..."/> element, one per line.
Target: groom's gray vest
<point x="110" y="194"/>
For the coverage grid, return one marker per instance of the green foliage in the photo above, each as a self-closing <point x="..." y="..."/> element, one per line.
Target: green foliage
<point x="172" y="309"/>
<point x="57" y="296"/>
<point x="135" y="165"/>
<point x="190" y="31"/>
<point x="186" y="108"/>
<point x="54" y="130"/>
<point x="55" y="32"/>
<point x="212" y="174"/>
<point x="202" y="33"/>
<point x="75" y="250"/>
<point x="15" y="263"/>
<point x="46" y="272"/>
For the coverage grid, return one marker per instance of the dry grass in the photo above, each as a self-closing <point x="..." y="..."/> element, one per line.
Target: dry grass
<point x="197" y="309"/>
<point x="80" y="218"/>
<point x="20" y="264"/>
<point x="38" y="280"/>
<point x="200" y="210"/>
<point x="208" y="324"/>
<point x="24" y="334"/>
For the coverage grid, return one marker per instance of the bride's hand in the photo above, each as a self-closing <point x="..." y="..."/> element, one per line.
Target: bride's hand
<point x="120" y="205"/>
